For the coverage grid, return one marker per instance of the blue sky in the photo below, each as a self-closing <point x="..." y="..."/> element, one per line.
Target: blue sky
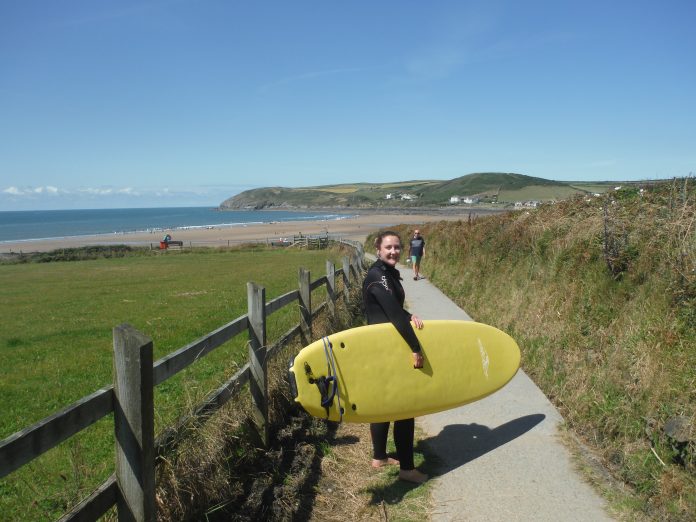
<point x="181" y="102"/>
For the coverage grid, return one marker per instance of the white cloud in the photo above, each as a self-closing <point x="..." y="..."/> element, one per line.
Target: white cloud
<point x="51" y="197"/>
<point x="31" y="191"/>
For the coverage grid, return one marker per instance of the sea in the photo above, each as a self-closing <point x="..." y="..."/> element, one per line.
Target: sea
<point x="30" y="225"/>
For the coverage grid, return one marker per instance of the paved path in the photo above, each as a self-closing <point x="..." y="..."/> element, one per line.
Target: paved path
<point x="502" y="459"/>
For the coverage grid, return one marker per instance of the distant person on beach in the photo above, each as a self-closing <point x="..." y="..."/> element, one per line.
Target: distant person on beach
<point x="167" y="238"/>
<point x="383" y="299"/>
<point x="416" y="252"/>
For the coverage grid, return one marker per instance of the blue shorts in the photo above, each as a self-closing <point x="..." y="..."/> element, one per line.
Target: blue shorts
<point x="416" y="259"/>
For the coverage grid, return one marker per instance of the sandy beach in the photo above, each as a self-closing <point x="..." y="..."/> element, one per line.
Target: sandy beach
<point x="355" y="227"/>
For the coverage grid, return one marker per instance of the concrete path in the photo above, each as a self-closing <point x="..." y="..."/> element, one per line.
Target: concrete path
<point x="501" y="457"/>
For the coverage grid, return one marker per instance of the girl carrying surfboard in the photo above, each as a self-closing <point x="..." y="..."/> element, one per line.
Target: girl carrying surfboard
<point x="383" y="298"/>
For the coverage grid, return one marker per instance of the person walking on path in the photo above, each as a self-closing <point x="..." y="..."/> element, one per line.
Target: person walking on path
<point x="416" y="252"/>
<point x="383" y="299"/>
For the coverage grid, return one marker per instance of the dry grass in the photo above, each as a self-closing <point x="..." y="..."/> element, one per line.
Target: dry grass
<point x="220" y="471"/>
<point x="601" y="295"/>
<point x="350" y="489"/>
<point x="345" y="473"/>
<point x="198" y="477"/>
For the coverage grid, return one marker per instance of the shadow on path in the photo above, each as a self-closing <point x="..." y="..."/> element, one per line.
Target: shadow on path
<point x="458" y="444"/>
<point x="454" y="446"/>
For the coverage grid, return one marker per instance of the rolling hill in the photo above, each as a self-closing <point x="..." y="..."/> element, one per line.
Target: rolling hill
<point x="491" y="187"/>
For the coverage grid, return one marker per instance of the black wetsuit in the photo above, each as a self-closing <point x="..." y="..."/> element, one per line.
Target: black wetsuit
<point x="383" y="299"/>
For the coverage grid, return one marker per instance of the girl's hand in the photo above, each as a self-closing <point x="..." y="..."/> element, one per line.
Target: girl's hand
<point x="417" y="321"/>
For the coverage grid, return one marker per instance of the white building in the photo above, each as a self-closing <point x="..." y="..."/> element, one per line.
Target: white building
<point x="527" y="204"/>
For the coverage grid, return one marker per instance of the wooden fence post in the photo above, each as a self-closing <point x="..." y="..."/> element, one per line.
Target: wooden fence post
<point x="355" y="264"/>
<point x="361" y="256"/>
<point x="331" y="289"/>
<point x="134" y="424"/>
<point x="258" y="382"/>
<point x="305" y="306"/>
<point x="346" y="279"/>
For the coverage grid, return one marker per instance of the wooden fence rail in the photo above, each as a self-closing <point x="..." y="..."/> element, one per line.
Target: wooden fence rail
<point x="132" y="487"/>
<point x="311" y="242"/>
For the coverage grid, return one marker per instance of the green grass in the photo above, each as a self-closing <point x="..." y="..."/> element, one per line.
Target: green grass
<point x="56" y="345"/>
<point x="536" y="193"/>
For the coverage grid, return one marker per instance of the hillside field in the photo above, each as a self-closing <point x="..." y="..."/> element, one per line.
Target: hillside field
<point x="497" y="188"/>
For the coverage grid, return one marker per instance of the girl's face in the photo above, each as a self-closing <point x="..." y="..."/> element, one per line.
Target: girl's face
<point x="390" y="250"/>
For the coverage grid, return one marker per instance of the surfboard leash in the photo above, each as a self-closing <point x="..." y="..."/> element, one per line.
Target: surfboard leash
<point x="332" y="378"/>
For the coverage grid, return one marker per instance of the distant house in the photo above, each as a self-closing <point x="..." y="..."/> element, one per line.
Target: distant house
<point x="468" y="200"/>
<point x="408" y="197"/>
<point x="388" y="196"/>
<point x="526" y="204"/>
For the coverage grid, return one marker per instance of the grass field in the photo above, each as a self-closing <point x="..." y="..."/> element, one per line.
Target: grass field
<point x="56" y="346"/>
<point x="348" y="189"/>
<point x="535" y="193"/>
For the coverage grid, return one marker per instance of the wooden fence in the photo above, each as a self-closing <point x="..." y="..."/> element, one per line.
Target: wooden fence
<point x="311" y="242"/>
<point x="132" y="486"/>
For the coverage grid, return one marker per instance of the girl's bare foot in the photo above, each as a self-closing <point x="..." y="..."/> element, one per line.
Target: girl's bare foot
<point x="413" y="475"/>
<point x="378" y="463"/>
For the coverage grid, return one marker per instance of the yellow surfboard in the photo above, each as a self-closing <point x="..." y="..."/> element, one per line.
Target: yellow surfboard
<point x="366" y="374"/>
